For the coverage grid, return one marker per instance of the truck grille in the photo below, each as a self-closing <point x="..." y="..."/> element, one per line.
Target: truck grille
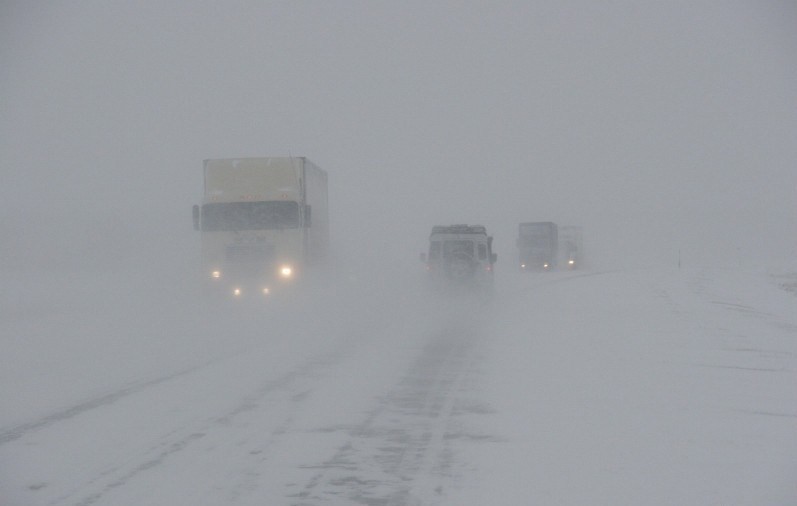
<point x="244" y="253"/>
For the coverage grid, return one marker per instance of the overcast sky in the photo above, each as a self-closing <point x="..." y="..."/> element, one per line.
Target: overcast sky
<point x="658" y="126"/>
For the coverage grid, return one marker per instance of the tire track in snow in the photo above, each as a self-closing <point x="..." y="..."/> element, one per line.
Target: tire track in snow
<point x="19" y="431"/>
<point x="398" y="455"/>
<point x="178" y="441"/>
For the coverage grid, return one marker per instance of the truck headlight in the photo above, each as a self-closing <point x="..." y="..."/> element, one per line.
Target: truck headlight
<point x="215" y="274"/>
<point x="286" y="271"/>
<point x="236" y="292"/>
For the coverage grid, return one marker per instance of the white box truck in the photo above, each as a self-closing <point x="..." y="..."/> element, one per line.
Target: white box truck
<point x="264" y="222"/>
<point x="571" y="246"/>
<point x="537" y="244"/>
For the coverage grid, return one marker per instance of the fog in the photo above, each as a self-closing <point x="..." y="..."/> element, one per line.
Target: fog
<point x="666" y="130"/>
<point x="657" y="128"/>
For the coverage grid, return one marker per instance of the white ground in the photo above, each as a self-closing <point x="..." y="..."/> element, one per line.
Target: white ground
<point x="621" y="387"/>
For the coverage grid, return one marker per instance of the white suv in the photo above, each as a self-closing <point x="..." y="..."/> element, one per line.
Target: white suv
<point x="460" y="256"/>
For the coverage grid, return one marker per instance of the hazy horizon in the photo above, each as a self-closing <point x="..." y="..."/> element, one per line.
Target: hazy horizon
<point x="658" y="128"/>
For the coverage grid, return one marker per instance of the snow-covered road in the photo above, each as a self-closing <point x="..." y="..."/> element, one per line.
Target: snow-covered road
<point x="617" y="387"/>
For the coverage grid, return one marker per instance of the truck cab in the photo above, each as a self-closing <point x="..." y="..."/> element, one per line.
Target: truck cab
<point x="460" y="256"/>
<point x="263" y="223"/>
<point x="537" y="244"/>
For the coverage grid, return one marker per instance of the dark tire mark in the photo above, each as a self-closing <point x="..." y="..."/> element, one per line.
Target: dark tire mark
<point x="407" y="437"/>
<point x="98" y="402"/>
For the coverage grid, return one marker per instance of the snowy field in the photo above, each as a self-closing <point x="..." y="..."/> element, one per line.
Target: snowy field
<point x="629" y="387"/>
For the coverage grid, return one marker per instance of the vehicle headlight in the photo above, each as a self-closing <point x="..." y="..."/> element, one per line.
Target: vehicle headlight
<point x="266" y="291"/>
<point x="286" y="271"/>
<point x="571" y="262"/>
<point x="215" y="274"/>
<point x="236" y="292"/>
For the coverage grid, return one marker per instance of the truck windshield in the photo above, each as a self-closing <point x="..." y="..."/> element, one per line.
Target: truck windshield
<point x="250" y="215"/>
<point x="535" y="238"/>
